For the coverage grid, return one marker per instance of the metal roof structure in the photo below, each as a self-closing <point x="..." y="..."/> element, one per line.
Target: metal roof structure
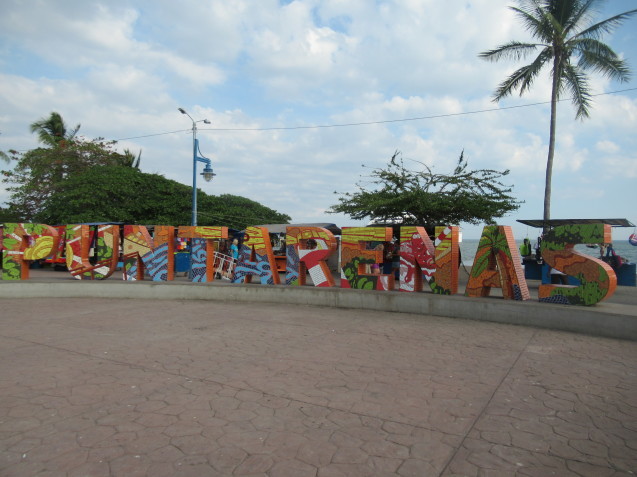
<point x="539" y="223"/>
<point x="281" y="228"/>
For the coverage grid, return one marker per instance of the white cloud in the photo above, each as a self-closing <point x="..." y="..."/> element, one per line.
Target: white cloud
<point x="608" y="147"/>
<point x="122" y="68"/>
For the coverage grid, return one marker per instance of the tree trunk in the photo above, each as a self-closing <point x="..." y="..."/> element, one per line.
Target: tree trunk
<point x="549" y="160"/>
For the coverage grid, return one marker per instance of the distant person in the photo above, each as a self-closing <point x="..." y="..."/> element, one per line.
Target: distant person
<point x="538" y="250"/>
<point x="525" y="248"/>
<point x="612" y="258"/>
<point x="388" y="259"/>
<point x="234" y="249"/>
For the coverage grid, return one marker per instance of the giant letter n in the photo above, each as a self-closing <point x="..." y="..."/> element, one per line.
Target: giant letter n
<point x="438" y="263"/>
<point x="154" y="255"/>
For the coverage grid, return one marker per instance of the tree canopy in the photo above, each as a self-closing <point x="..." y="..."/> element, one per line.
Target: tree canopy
<point x="125" y="194"/>
<point x="39" y="173"/>
<point x="569" y="44"/>
<point x="116" y="193"/>
<point x="75" y="180"/>
<point x="400" y="195"/>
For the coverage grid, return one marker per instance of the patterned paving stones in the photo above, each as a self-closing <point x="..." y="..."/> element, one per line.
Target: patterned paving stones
<point x="99" y="387"/>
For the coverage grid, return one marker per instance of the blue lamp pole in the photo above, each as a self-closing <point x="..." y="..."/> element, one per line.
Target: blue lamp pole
<point x="207" y="173"/>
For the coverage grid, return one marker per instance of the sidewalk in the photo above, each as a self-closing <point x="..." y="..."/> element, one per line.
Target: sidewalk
<point x="132" y="387"/>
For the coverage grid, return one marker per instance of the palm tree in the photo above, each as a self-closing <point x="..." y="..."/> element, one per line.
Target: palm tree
<point x="52" y="131"/>
<point x="128" y="159"/>
<point x="570" y="44"/>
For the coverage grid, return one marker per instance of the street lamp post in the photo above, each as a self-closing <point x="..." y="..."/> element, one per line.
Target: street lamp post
<point x="207" y="173"/>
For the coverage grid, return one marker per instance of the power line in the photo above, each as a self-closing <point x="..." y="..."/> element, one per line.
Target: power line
<point x="370" y="123"/>
<point x="151" y="135"/>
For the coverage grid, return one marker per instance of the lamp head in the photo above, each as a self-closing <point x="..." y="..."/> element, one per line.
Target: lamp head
<point x="205" y="121"/>
<point x="182" y="110"/>
<point x="207" y="173"/>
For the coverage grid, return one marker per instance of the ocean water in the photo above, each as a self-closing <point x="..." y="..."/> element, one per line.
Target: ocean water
<point x="622" y="248"/>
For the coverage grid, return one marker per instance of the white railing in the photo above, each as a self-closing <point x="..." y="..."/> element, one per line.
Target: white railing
<point x="224" y="266"/>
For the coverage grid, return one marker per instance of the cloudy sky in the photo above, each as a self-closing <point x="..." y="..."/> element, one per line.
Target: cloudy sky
<point x="279" y="80"/>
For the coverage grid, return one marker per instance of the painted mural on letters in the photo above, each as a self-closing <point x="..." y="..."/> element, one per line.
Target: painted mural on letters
<point x="307" y="249"/>
<point x="497" y="262"/>
<point x="436" y="263"/>
<point x="145" y="254"/>
<point x="79" y="239"/>
<point x="256" y="258"/>
<point x="202" y="250"/>
<point x="597" y="279"/>
<point x="23" y="243"/>
<point x="361" y="247"/>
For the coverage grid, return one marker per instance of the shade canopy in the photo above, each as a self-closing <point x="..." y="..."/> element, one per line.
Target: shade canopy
<point x="281" y="228"/>
<point x="539" y="223"/>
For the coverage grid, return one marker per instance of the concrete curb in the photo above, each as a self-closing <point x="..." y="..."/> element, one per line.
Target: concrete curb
<point x="609" y="320"/>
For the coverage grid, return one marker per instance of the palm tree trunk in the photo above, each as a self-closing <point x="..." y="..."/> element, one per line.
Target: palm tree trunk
<point x="549" y="160"/>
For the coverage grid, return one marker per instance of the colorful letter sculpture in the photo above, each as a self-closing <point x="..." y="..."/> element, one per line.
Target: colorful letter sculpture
<point x="23" y="243"/>
<point x="597" y="279"/>
<point x="302" y="260"/>
<point x="202" y="266"/>
<point x="256" y="258"/>
<point x="436" y="263"/>
<point x="497" y="264"/>
<point x="143" y="253"/>
<point x="92" y="253"/>
<point x="79" y="239"/>
<point x="355" y="255"/>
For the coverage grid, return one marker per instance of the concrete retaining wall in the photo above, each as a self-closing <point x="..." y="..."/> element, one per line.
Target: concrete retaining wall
<point x="606" y="319"/>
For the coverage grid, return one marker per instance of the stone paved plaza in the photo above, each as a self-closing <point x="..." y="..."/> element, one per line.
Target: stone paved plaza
<point x="116" y="387"/>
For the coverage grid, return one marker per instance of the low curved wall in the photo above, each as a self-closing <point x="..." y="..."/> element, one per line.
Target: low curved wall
<point x="606" y="319"/>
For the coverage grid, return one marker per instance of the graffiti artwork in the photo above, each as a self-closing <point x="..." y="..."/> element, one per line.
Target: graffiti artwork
<point x="256" y="258"/>
<point x="356" y="258"/>
<point x="79" y="239"/>
<point x="202" y="263"/>
<point x="497" y="264"/>
<point x="436" y="263"/>
<point x="23" y="243"/>
<point x="92" y="253"/>
<point x="307" y="250"/>
<point x="597" y="278"/>
<point x="144" y="254"/>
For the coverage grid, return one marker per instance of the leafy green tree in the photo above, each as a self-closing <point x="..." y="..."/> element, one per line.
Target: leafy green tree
<point x="38" y="173"/>
<point x="116" y="193"/>
<point x="53" y="131"/>
<point x="569" y="44"/>
<point x="236" y="210"/>
<point x="422" y="197"/>
<point x="7" y="215"/>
